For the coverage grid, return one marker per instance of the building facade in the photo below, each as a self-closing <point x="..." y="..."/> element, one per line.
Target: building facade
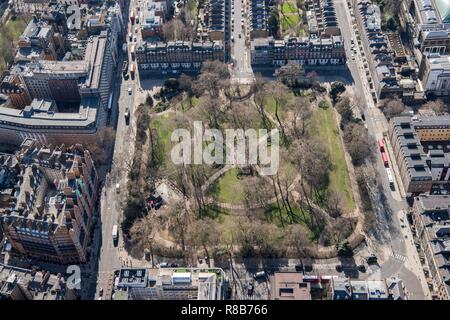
<point x="176" y="56"/>
<point x="432" y="220"/>
<point x="48" y="198"/>
<point x="305" y="51"/>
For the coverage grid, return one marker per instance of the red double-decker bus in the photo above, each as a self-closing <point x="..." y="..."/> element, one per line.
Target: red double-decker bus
<point x="384" y="157"/>
<point x="381" y="145"/>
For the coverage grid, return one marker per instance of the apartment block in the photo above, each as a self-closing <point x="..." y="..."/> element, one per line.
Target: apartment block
<point x="169" y="284"/>
<point x="431" y="216"/>
<point x="47" y="201"/>
<point x="80" y="89"/>
<point x="22" y="284"/>
<point x="259" y="16"/>
<point x="305" y="51"/>
<point x="419" y="145"/>
<point x="289" y="286"/>
<point x="176" y="56"/>
<point x="349" y="289"/>
<point x="215" y="19"/>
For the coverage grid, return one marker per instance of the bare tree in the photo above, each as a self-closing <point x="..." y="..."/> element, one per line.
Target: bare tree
<point x="357" y="142"/>
<point x="143" y="233"/>
<point x="289" y="73"/>
<point x="214" y="76"/>
<point x="297" y="239"/>
<point x="175" y="29"/>
<point x="437" y="107"/>
<point x="392" y="107"/>
<point x="204" y="233"/>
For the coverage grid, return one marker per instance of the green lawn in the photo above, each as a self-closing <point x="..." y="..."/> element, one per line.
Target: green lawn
<point x="270" y="107"/>
<point x="325" y="127"/>
<point x="13" y="29"/>
<point x="164" y="126"/>
<point x="288" y="7"/>
<point x="229" y="188"/>
<point x="186" y="104"/>
<point x="288" y="22"/>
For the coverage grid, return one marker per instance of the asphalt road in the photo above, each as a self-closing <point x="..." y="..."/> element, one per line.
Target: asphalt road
<point x="403" y="258"/>
<point x="240" y="53"/>
<point x="111" y="200"/>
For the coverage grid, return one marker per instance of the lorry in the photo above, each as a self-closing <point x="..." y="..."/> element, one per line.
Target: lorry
<point x="115" y="234"/>
<point x="132" y="17"/>
<point x="133" y="52"/>
<point x="132" y="70"/>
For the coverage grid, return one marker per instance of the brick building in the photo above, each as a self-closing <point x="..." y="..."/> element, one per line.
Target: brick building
<point x="47" y="201"/>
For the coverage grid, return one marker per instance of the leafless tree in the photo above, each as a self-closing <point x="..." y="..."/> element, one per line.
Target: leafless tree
<point x="357" y="142"/>
<point x="392" y="107"/>
<point x="297" y="239"/>
<point x="438" y="107"/>
<point x="214" y="77"/>
<point x="205" y="233"/>
<point x="175" y="29"/>
<point x="289" y="73"/>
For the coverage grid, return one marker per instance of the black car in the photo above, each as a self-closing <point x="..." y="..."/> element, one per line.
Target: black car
<point x="250" y="289"/>
<point x="339" y="268"/>
<point x="299" y="267"/>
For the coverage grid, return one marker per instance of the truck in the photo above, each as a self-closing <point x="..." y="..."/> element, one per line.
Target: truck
<point x="115" y="234"/>
<point x="132" y="17"/>
<point x="133" y="52"/>
<point x="132" y="70"/>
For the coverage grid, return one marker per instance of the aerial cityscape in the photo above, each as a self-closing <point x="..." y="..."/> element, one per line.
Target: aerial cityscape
<point x="227" y="150"/>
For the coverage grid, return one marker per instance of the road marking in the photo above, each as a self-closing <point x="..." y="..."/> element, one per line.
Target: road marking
<point x="399" y="257"/>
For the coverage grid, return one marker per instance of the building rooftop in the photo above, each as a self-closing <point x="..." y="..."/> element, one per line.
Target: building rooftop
<point x="289" y="286"/>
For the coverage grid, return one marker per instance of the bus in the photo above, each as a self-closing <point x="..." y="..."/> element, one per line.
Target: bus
<point x="390" y="178"/>
<point x="115" y="234"/>
<point x="381" y="144"/>
<point x="384" y="157"/>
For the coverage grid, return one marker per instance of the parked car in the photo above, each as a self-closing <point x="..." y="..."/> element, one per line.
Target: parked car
<point x="250" y="289"/>
<point x="163" y="265"/>
<point x="260" y="275"/>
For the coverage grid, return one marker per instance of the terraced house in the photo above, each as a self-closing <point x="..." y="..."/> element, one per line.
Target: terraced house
<point x="47" y="201"/>
<point x="177" y="56"/>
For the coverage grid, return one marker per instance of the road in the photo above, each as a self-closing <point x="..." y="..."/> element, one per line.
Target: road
<point x="111" y="203"/>
<point x="240" y="53"/>
<point x="402" y="259"/>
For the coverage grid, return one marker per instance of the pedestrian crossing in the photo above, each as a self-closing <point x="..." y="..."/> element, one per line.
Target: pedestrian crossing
<point x="399" y="257"/>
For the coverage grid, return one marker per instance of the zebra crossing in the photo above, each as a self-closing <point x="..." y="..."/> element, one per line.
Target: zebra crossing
<point x="398" y="256"/>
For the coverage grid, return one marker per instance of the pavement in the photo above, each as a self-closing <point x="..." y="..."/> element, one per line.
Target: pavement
<point x="240" y="53"/>
<point x="397" y="253"/>
<point x="109" y="256"/>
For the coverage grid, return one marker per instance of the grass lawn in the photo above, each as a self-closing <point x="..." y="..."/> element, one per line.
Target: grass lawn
<point x="288" y="7"/>
<point x="229" y="188"/>
<point x="186" y="105"/>
<point x="289" y="21"/>
<point x="325" y="127"/>
<point x="14" y="29"/>
<point x="270" y="107"/>
<point x="164" y="126"/>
